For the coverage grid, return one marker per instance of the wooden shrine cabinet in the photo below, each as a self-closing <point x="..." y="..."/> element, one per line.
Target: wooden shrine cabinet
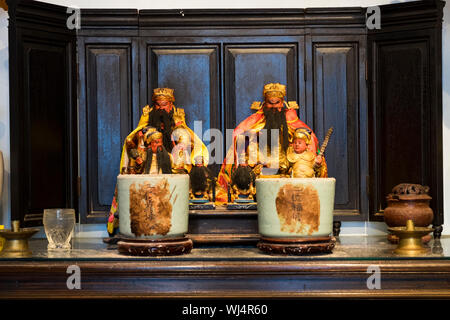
<point x="43" y="111"/>
<point x="405" y="103"/>
<point x="341" y="74"/>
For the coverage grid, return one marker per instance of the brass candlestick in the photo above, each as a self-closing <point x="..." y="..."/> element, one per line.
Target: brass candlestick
<point x="410" y="243"/>
<point x="16" y="245"/>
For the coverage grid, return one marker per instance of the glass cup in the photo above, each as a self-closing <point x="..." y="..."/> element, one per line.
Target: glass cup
<point x="59" y="225"/>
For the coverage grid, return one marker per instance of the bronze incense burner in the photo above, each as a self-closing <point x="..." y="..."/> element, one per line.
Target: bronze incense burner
<point x="16" y="245"/>
<point x="408" y="202"/>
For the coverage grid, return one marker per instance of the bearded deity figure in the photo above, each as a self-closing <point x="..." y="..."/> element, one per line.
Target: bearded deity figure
<point x="177" y="138"/>
<point x="274" y="113"/>
<point x="162" y="143"/>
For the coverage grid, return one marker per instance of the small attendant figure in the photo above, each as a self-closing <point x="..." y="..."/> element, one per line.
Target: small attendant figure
<point x="137" y="151"/>
<point x="304" y="163"/>
<point x="158" y="160"/>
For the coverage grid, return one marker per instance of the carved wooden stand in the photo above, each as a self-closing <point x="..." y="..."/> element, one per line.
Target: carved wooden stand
<point x="160" y="247"/>
<point x="297" y="246"/>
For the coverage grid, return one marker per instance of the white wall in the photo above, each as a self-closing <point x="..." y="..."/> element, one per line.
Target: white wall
<point x="446" y="114"/>
<point x="347" y="228"/>
<point x="4" y="116"/>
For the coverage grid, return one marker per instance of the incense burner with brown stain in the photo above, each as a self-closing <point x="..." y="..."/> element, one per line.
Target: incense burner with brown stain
<point x="153" y="206"/>
<point x="295" y="207"/>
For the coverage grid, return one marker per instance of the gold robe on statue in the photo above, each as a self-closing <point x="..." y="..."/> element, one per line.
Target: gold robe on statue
<point x="180" y="133"/>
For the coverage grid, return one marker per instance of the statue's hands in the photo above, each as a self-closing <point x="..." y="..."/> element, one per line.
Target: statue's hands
<point x="272" y="164"/>
<point x="181" y="146"/>
<point x="146" y="110"/>
<point x="139" y="160"/>
<point x="133" y="153"/>
<point x="318" y="161"/>
<point x="178" y="154"/>
<point x="257" y="169"/>
<point x="178" y="115"/>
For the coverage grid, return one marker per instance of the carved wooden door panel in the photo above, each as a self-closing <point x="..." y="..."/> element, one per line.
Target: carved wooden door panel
<point x="108" y="106"/>
<point x="193" y="73"/>
<point x="43" y="125"/>
<point x="406" y="116"/>
<point x="336" y="97"/>
<point x="248" y="67"/>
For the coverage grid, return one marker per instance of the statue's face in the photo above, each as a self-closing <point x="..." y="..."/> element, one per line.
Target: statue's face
<point x="274" y="102"/>
<point x="155" y="144"/>
<point x="163" y="104"/>
<point x="299" y="145"/>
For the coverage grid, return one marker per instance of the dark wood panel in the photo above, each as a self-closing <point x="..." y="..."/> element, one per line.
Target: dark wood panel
<point x="108" y="105"/>
<point x="334" y="101"/>
<point x="227" y="276"/>
<point x="248" y="68"/>
<point x="47" y="147"/>
<point x="193" y="73"/>
<point x="403" y="140"/>
<point x="336" y="97"/>
<point x="346" y="18"/>
<point x="42" y="111"/>
<point x="95" y="19"/>
<point x="40" y="16"/>
<point x="402" y="116"/>
<point x="222" y="221"/>
<point x="410" y="16"/>
<point x="406" y="103"/>
<point x="44" y="169"/>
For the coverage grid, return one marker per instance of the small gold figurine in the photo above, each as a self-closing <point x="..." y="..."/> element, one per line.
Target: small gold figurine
<point x="303" y="163"/>
<point x="147" y="155"/>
